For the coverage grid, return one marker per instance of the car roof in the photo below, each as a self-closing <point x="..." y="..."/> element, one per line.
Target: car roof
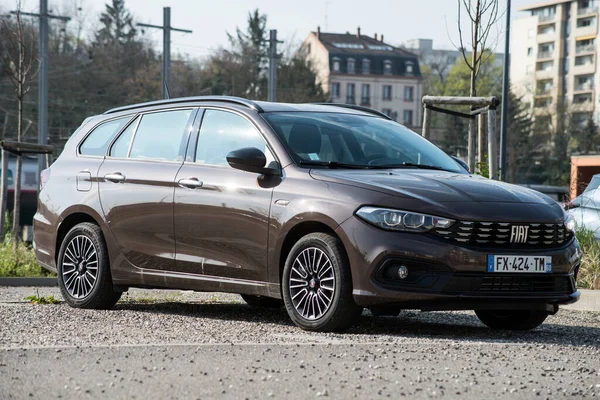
<point x="258" y="106"/>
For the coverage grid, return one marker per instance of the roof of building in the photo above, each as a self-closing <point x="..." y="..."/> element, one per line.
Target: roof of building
<point x="542" y="5"/>
<point x="349" y="43"/>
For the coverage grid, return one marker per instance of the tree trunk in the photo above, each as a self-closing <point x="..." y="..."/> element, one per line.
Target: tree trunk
<point x="473" y="90"/>
<point x="17" y="177"/>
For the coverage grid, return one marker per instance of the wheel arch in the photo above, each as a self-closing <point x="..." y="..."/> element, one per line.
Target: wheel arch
<point x="69" y="219"/>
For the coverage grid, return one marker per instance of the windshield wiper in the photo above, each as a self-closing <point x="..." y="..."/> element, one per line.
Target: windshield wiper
<point x="332" y="164"/>
<point x="411" y="165"/>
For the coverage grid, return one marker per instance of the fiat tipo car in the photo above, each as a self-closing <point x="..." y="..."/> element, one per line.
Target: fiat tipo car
<point x="323" y="209"/>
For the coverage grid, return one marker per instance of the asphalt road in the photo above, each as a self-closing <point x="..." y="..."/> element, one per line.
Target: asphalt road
<point x="185" y="345"/>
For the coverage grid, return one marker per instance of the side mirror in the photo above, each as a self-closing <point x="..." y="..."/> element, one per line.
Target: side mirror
<point x="250" y="159"/>
<point x="461" y="163"/>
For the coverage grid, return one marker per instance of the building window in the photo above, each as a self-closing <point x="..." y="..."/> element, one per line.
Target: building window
<point x="335" y="90"/>
<point x="366" y="66"/>
<point x="387" y="111"/>
<point x="387" y="67"/>
<point x="409" y="67"/>
<point x="408" y="117"/>
<point x="351" y="66"/>
<point x="365" y="99"/>
<point x="529" y="51"/>
<point x="409" y="93"/>
<point x="528" y="69"/>
<point x="387" y="92"/>
<point x="336" y="65"/>
<point x="350" y="99"/>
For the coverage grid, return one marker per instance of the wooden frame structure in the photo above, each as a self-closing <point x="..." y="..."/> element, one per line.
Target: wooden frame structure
<point x="480" y="108"/>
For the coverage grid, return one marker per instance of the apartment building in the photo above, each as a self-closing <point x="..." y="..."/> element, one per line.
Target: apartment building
<point x="554" y="58"/>
<point x="364" y="70"/>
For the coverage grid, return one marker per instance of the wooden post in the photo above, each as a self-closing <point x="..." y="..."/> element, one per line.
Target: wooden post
<point x="3" y="192"/>
<point x="471" y="145"/>
<point x="492" y="144"/>
<point x="481" y="138"/>
<point x="426" y="122"/>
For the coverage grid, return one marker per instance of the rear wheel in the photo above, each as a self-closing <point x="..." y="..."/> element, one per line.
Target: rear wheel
<point x="516" y="320"/>
<point x="262" y="301"/>
<point x="83" y="269"/>
<point x="317" y="285"/>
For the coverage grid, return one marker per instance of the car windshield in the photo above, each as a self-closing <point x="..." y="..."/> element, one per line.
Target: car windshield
<point x="338" y="140"/>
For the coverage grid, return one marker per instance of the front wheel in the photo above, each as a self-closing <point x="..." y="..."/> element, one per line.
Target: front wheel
<point x="83" y="269"/>
<point x="317" y="285"/>
<point x="515" y="320"/>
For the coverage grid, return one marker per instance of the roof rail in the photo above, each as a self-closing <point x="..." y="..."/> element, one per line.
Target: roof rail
<point x="228" y="99"/>
<point x="358" y="108"/>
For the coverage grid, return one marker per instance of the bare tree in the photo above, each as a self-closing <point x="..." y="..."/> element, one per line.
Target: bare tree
<point x="482" y="16"/>
<point x="21" y="59"/>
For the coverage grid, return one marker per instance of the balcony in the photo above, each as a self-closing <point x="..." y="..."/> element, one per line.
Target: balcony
<point x="365" y="101"/>
<point x="546" y="18"/>
<point x="545" y="73"/>
<point x="350" y="100"/>
<point x="584" y="87"/>
<point x="586" y="68"/>
<point x="587" y="11"/>
<point x="588" y="30"/>
<point x="545" y="54"/>
<point x="589" y="48"/>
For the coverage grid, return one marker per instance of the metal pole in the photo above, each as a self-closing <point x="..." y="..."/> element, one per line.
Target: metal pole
<point x="3" y="192"/>
<point x="166" y="67"/>
<point x="492" y="144"/>
<point x="471" y="145"/>
<point x="43" y="82"/>
<point x="505" y="101"/>
<point x="272" y="90"/>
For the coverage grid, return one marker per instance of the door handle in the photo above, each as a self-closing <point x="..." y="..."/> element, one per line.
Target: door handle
<point x="117" y="177"/>
<point x="190" y="183"/>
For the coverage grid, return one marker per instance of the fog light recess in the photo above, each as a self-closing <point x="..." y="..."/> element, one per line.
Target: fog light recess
<point x="402" y="272"/>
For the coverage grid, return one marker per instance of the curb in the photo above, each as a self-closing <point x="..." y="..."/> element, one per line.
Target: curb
<point x="28" y="282"/>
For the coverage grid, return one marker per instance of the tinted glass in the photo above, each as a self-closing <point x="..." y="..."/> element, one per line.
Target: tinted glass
<point x="97" y="142"/>
<point x="222" y="132"/>
<point x="121" y="145"/>
<point x="161" y="135"/>
<point x="352" y="139"/>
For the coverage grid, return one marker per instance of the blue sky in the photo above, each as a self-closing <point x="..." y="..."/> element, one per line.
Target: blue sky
<point x="398" y="20"/>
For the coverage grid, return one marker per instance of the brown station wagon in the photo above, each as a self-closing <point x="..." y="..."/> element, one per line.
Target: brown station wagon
<point x="324" y="209"/>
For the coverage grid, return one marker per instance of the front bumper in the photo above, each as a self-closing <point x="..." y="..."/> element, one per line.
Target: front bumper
<point x="445" y="276"/>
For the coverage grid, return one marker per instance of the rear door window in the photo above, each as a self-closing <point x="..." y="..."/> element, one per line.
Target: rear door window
<point x="96" y="143"/>
<point x="161" y="136"/>
<point x="120" y="147"/>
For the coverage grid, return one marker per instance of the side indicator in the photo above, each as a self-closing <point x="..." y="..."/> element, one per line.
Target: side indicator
<point x="282" y="202"/>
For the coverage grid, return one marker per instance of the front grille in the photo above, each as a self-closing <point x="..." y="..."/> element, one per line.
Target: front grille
<point x="498" y="234"/>
<point x="510" y="284"/>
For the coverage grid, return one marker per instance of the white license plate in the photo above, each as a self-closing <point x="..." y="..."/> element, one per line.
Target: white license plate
<point x="520" y="264"/>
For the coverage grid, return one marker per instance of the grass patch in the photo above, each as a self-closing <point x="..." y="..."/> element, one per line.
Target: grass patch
<point x="589" y="272"/>
<point x="37" y="299"/>
<point x="19" y="263"/>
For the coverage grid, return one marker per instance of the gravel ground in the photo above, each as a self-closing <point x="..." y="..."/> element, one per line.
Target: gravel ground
<point x="170" y="344"/>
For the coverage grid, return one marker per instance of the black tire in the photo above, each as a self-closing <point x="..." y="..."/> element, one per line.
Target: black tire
<point x="385" y="311"/>
<point x="514" y="320"/>
<point x="262" y="301"/>
<point x="342" y="312"/>
<point x="101" y="295"/>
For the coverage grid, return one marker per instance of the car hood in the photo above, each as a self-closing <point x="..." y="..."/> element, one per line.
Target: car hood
<point x="443" y="191"/>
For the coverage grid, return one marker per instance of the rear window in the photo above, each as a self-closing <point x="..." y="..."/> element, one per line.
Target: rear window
<point x="96" y="143"/>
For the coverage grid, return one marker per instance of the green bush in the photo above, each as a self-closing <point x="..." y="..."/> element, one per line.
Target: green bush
<point x="21" y="263"/>
<point x="589" y="272"/>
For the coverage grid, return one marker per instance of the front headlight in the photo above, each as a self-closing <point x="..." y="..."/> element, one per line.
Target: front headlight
<point x="405" y="221"/>
<point x="570" y="223"/>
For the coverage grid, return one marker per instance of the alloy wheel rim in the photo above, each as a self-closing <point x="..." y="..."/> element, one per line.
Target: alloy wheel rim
<point x="80" y="267"/>
<point x="312" y="283"/>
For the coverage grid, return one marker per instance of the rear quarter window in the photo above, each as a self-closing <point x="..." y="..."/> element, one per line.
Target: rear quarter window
<point x="96" y="143"/>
